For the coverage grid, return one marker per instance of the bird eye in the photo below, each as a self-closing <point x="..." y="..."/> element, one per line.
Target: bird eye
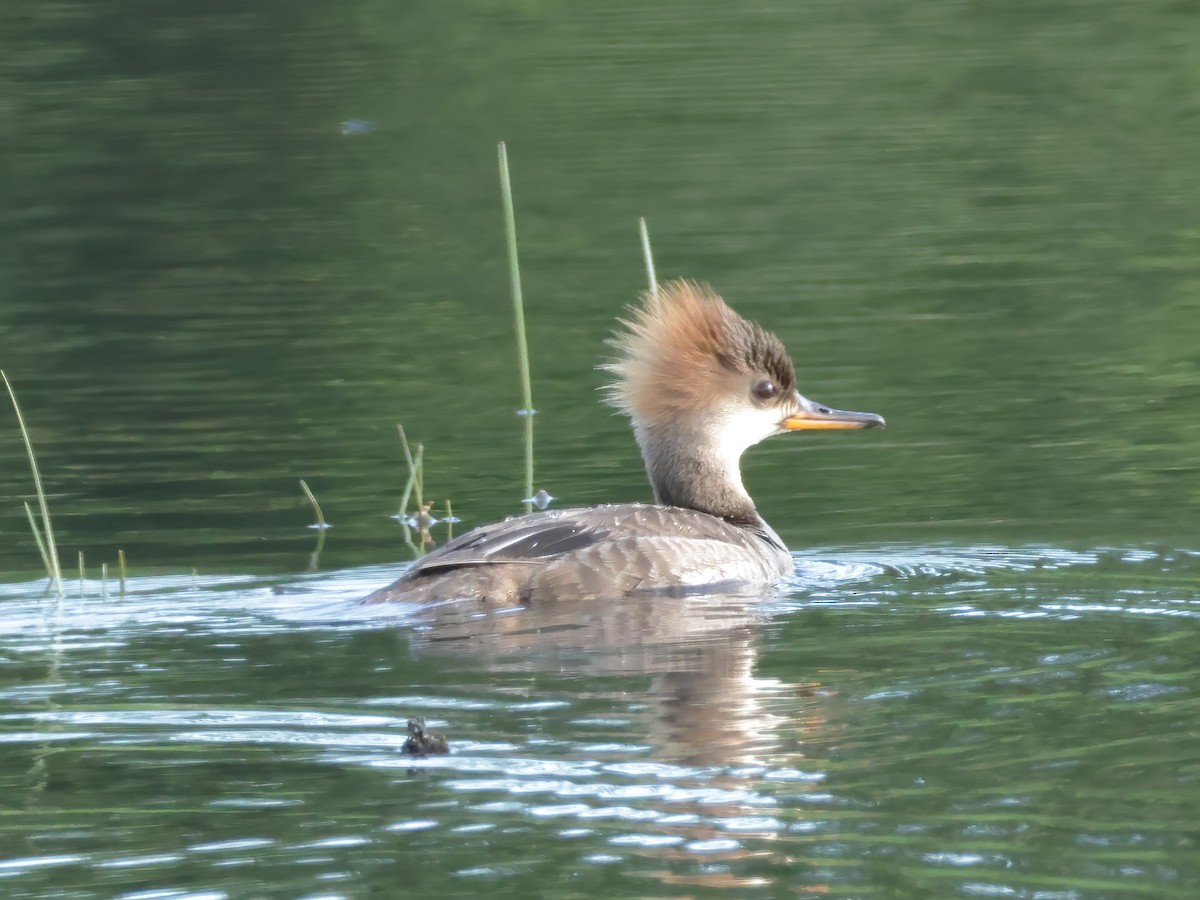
<point x="765" y="390"/>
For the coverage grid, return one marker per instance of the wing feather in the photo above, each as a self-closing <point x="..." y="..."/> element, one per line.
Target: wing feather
<point x="529" y="540"/>
<point x="593" y="551"/>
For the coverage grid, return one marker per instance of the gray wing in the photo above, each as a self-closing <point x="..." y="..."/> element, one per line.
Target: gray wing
<point x="593" y="551"/>
<point x="534" y="538"/>
<point x="529" y="539"/>
<point x="646" y="564"/>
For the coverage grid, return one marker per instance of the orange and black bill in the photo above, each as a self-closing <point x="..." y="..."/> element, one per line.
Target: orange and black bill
<point x="817" y="417"/>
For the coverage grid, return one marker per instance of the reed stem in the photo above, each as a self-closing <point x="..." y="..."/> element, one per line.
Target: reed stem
<point x="649" y="257"/>
<point x="514" y="271"/>
<point x="51" y="548"/>
<point x="412" y="472"/>
<point x="121" y="570"/>
<point x="321" y="526"/>
<point x="419" y="480"/>
<point x="416" y="473"/>
<point x="321" y="523"/>
<point x="37" y="539"/>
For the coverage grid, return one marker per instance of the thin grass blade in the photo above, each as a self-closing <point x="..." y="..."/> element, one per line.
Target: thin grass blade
<point x="51" y="548"/>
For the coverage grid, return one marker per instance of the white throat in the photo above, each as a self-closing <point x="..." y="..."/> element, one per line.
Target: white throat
<point x="699" y="465"/>
<point x="736" y="432"/>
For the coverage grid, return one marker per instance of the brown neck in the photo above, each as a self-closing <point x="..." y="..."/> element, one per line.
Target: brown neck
<point x="685" y="470"/>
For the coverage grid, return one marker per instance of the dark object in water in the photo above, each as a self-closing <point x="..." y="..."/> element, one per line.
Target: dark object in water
<point x="420" y="742"/>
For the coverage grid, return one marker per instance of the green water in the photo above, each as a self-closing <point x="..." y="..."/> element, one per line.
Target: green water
<point x="242" y="241"/>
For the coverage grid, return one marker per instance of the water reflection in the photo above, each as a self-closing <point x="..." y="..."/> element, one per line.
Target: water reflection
<point x="705" y="717"/>
<point x="896" y="721"/>
<point x="702" y="706"/>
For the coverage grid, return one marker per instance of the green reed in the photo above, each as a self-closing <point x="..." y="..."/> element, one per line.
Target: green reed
<point x="648" y="257"/>
<point x="416" y="474"/>
<point x="514" y="271"/>
<point x="37" y="539"/>
<point x="48" y="547"/>
<point x="321" y="523"/>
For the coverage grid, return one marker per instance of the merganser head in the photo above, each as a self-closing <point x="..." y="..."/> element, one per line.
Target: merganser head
<point x="689" y="363"/>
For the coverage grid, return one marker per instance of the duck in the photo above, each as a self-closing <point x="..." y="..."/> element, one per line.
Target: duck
<point x="700" y="386"/>
<point x="421" y="741"/>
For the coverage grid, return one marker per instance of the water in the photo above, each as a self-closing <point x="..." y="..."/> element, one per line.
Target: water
<point x="908" y="720"/>
<point x="242" y="243"/>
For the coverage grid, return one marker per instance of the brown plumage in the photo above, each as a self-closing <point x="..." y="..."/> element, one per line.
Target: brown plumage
<point x="700" y="384"/>
<point x="678" y="348"/>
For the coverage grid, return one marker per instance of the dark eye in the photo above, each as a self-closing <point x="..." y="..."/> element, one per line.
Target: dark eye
<point x="765" y="390"/>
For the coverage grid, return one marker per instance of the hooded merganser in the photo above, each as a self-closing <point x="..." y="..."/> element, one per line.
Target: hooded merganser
<point x="700" y="385"/>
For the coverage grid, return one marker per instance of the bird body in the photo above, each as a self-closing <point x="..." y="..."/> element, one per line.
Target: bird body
<point x="610" y="550"/>
<point x="700" y="385"/>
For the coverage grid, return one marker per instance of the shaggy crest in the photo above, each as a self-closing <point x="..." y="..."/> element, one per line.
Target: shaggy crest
<point x="679" y="349"/>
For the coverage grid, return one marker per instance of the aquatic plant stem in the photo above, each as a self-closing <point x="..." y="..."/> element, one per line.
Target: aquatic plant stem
<point x="51" y="547"/>
<point x="37" y="539"/>
<point x="416" y="464"/>
<point x="121" y="570"/>
<point x="416" y="473"/>
<point x="514" y="271"/>
<point x="419" y="483"/>
<point x="412" y="473"/>
<point x="322" y="526"/>
<point x="648" y="257"/>
<point x="418" y="476"/>
<point x="321" y="523"/>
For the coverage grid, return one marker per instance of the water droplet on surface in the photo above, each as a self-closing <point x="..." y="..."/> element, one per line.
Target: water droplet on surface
<point x="541" y="499"/>
<point x="357" y="126"/>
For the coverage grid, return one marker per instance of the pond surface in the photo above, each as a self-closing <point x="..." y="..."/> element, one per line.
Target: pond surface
<point x="895" y="722"/>
<point x="243" y="241"/>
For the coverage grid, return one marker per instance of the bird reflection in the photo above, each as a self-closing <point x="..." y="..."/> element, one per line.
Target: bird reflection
<point x="704" y="705"/>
